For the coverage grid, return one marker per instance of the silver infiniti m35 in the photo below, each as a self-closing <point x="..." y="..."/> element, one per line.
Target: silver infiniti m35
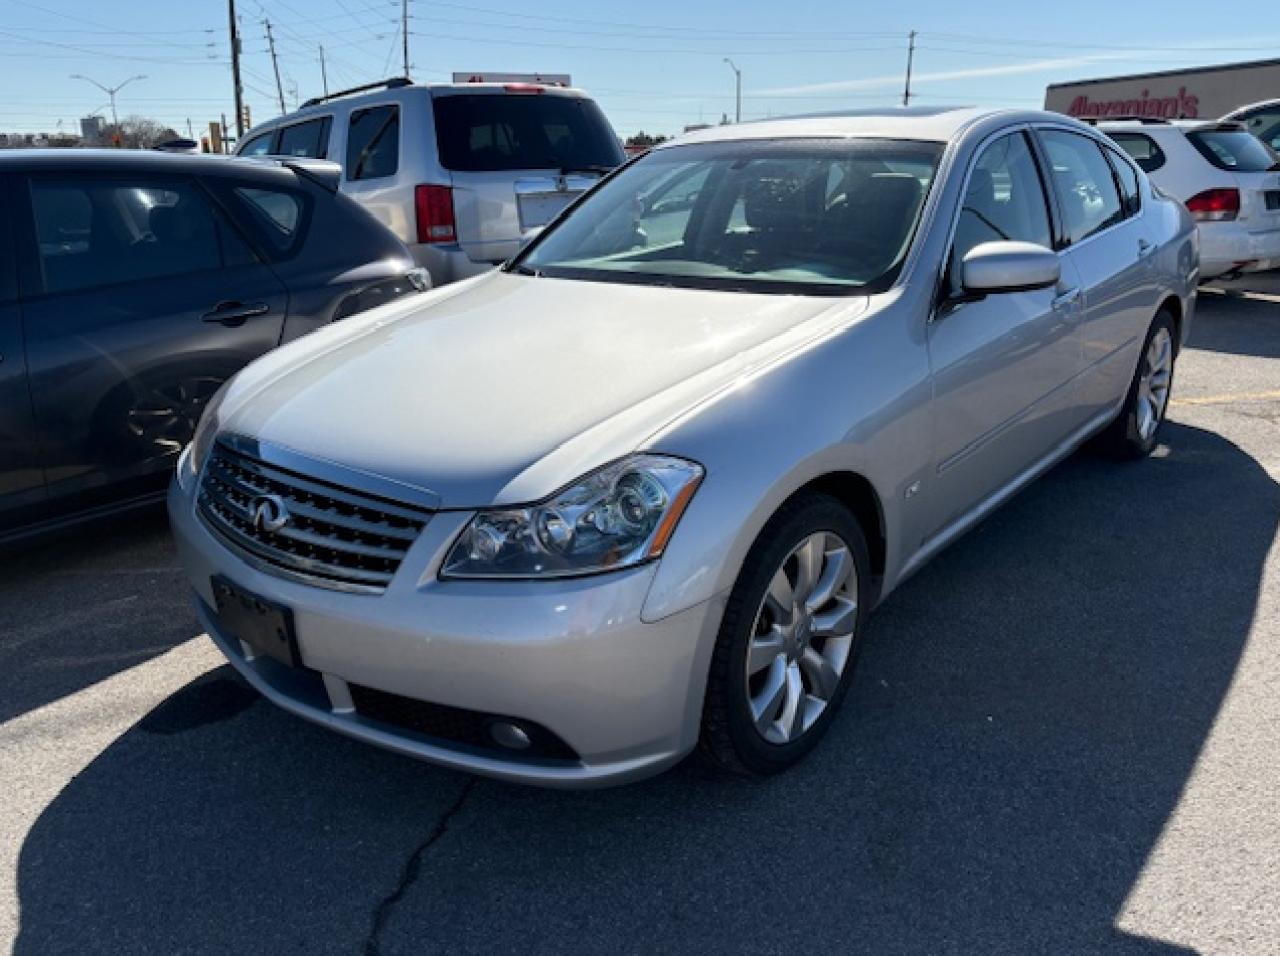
<point x="636" y="492"/>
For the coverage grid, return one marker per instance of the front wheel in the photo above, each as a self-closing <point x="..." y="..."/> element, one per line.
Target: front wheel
<point x="1134" y="432"/>
<point x="788" y="642"/>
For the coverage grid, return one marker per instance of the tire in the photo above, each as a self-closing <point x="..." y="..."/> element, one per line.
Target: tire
<point x="1136" y="430"/>
<point x="742" y="732"/>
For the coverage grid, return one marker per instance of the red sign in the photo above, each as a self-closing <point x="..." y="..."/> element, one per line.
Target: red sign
<point x="1183" y="105"/>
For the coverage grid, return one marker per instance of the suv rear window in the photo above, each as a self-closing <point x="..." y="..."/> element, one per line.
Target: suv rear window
<point x="1234" y="150"/>
<point x="487" y="131"/>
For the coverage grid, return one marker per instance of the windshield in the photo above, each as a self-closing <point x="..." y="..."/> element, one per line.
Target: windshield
<point x="810" y="216"/>
<point x="482" y="132"/>
<point x="1234" y="150"/>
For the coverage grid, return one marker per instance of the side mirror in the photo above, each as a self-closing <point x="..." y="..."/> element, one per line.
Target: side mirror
<point x="994" y="267"/>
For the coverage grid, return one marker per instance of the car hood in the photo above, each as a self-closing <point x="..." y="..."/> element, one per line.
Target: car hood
<point x="505" y="388"/>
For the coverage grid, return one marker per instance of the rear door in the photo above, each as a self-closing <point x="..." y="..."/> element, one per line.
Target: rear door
<point x="21" y="477"/>
<point x="516" y="157"/>
<point x="1004" y="366"/>
<point x="1107" y="243"/>
<point x="140" y="299"/>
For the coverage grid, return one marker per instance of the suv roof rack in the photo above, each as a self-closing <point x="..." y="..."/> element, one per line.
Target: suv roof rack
<point x="392" y="84"/>
<point x="1144" y="120"/>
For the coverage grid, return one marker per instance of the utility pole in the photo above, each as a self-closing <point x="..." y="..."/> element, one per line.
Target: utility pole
<point x="224" y="134"/>
<point x="235" y="68"/>
<point x="911" y="55"/>
<point x="324" y="77"/>
<point x="404" y="33"/>
<point x="737" y="73"/>
<point x="275" y="65"/>
<point x="191" y="133"/>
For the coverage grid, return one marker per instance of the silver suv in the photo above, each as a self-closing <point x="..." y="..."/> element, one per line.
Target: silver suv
<point x="463" y="173"/>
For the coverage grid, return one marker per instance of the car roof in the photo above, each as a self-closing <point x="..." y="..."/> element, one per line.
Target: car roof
<point x="931" y="123"/>
<point x="1249" y="107"/>
<point x="136" y="160"/>
<point x="394" y="93"/>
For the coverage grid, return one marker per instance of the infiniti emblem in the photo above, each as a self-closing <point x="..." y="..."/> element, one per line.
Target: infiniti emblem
<point x="269" y="513"/>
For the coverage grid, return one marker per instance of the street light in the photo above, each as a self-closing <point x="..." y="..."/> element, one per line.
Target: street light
<point x="737" y="114"/>
<point x="111" y="91"/>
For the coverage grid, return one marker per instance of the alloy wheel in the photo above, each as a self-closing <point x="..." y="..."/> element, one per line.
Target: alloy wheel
<point x="802" y="638"/>
<point x="1153" y="385"/>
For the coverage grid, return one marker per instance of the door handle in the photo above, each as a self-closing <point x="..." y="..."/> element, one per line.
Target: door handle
<point x="1066" y="299"/>
<point x="235" y="313"/>
<point x="1144" y="248"/>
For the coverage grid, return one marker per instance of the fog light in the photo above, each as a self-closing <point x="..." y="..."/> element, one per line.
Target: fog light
<point x="509" y="735"/>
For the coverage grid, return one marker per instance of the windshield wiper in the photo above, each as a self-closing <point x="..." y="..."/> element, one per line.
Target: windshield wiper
<point x="525" y="270"/>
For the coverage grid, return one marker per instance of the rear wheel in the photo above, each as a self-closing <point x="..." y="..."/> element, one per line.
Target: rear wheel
<point x="1135" y="431"/>
<point x="787" y="645"/>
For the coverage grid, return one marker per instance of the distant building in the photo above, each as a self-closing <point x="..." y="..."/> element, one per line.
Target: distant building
<point x="1200" y="93"/>
<point x="91" y="130"/>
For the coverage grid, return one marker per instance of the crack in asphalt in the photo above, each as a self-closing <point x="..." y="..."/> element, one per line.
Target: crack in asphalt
<point x="412" y="868"/>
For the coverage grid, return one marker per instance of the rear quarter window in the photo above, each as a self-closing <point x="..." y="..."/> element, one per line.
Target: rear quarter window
<point x="1144" y="150"/>
<point x="277" y="218"/>
<point x="478" y="132"/>
<point x="1234" y="150"/>
<point x="373" y="143"/>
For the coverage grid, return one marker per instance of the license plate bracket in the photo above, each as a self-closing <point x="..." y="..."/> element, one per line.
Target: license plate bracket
<point x="264" y="625"/>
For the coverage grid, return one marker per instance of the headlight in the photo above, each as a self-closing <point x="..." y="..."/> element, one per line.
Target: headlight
<point x="202" y="438"/>
<point x="617" y="517"/>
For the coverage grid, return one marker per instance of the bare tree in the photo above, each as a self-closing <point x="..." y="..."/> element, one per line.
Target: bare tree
<point x="137" y="132"/>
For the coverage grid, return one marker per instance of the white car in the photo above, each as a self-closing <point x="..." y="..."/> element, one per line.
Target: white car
<point x="1228" y="179"/>
<point x="1260" y="119"/>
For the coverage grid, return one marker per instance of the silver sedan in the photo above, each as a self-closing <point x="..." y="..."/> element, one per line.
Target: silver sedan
<point x="635" y="493"/>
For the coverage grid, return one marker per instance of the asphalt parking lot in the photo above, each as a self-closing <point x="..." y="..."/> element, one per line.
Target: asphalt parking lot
<point x="1064" y="737"/>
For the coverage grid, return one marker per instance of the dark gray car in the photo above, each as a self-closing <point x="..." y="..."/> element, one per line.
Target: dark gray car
<point x="132" y="285"/>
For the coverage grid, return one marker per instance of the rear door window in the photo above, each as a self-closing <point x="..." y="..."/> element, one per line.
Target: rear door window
<point x="309" y="139"/>
<point x="1084" y="183"/>
<point x="1144" y="150"/>
<point x="1234" y="150"/>
<point x="1128" y="179"/>
<point x="373" y="143"/>
<point x="100" y="232"/>
<point x="479" y="132"/>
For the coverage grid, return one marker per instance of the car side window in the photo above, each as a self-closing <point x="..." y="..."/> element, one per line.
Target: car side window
<point x="1129" y="191"/>
<point x="278" y="215"/>
<point x="100" y="232"/>
<point x="1144" y="150"/>
<point x="1004" y="200"/>
<point x="258" y="146"/>
<point x="373" y="143"/>
<point x="1084" y="184"/>
<point x="310" y="139"/>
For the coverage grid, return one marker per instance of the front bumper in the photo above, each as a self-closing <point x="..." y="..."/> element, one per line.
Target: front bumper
<point x="572" y="656"/>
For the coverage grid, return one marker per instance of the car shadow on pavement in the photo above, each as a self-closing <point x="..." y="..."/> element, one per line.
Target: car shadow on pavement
<point x="1026" y="714"/>
<point x="85" y="604"/>
<point x="1237" y="326"/>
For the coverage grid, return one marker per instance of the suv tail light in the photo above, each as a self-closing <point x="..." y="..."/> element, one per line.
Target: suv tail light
<point x="433" y="206"/>
<point x="1215" y="205"/>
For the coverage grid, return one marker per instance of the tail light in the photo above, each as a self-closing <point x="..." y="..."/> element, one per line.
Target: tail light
<point x="433" y="206"/>
<point x="1215" y="205"/>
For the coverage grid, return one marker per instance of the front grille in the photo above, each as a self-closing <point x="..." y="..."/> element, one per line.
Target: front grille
<point x="331" y="535"/>
<point x="456" y="725"/>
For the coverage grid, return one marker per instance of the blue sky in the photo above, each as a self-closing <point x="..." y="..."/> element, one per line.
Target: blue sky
<point x="656" y="65"/>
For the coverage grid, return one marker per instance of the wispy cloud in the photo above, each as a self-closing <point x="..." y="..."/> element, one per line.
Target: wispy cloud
<point x="890" y="80"/>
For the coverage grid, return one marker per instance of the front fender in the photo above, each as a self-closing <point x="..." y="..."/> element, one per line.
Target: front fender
<point x="857" y="401"/>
